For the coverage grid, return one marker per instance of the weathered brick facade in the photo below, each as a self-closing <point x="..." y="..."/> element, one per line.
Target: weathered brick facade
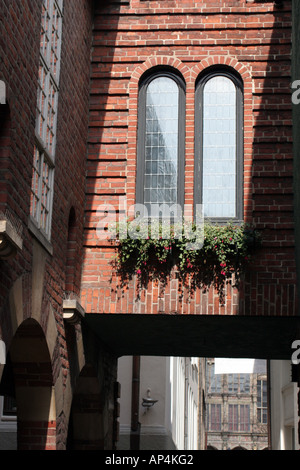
<point x="254" y="39"/>
<point x="35" y="282"/>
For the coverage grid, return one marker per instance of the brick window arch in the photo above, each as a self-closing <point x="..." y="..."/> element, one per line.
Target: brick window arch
<point x="161" y="136"/>
<point x="219" y="144"/>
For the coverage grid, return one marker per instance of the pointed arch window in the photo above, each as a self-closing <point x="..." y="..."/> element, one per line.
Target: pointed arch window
<point x="219" y="145"/>
<point x="161" y="130"/>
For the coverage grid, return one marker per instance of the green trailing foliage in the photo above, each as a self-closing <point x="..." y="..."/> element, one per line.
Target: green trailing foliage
<point x="222" y="256"/>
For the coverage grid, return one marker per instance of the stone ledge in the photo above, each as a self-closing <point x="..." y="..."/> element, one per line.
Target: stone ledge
<point x="72" y="311"/>
<point x="10" y="240"/>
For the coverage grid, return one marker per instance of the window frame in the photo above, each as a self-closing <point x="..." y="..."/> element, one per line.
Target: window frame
<point x="214" y="417"/>
<point x="235" y="422"/>
<point x="43" y="203"/>
<point x="212" y="72"/>
<point x="46" y="119"/>
<point x="261" y="404"/>
<point x="238" y="384"/>
<point x="141" y="132"/>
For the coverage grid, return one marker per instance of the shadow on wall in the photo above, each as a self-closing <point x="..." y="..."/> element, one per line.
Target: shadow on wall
<point x="272" y="169"/>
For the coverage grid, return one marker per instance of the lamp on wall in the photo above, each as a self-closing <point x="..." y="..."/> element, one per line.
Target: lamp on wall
<point x="148" y="402"/>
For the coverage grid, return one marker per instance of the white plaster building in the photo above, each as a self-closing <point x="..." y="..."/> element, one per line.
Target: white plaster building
<point x="283" y="407"/>
<point x="174" y="420"/>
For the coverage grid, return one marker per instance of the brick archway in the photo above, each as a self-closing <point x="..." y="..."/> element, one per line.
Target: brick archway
<point x="34" y="390"/>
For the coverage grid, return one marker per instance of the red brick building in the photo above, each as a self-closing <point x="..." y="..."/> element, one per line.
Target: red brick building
<point x="72" y="139"/>
<point x="250" y="39"/>
<point x="47" y="270"/>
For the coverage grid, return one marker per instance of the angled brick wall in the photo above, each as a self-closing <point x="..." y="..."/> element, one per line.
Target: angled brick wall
<point x="33" y="284"/>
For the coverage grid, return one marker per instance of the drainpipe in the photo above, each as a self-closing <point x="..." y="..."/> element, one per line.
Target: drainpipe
<point x="135" y="398"/>
<point x="186" y="403"/>
<point x="269" y="385"/>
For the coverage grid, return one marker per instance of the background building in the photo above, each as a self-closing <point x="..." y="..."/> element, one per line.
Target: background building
<point x="236" y="409"/>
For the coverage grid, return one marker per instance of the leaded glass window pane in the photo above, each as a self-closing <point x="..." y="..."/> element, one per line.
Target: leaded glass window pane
<point x="161" y="143"/>
<point x="219" y="147"/>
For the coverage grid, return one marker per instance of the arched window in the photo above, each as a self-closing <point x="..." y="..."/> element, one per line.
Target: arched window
<point x="161" y="130"/>
<point x="219" y="145"/>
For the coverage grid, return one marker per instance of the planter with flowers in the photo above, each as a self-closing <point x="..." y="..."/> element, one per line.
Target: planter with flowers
<point x="224" y="254"/>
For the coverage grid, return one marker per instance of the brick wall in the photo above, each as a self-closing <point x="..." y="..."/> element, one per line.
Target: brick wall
<point x="254" y="39"/>
<point x="20" y="49"/>
<point x="20" y="73"/>
<point x="35" y="276"/>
